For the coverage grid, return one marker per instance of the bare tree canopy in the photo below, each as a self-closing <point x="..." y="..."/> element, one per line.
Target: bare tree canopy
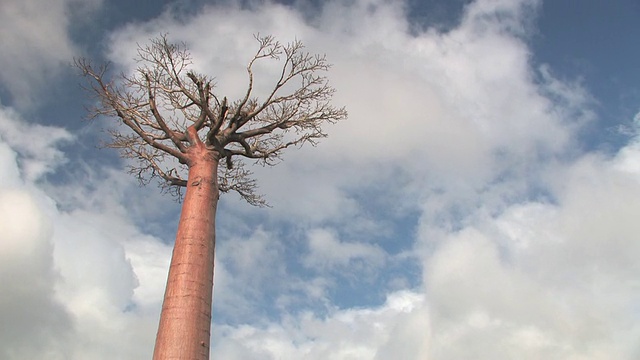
<point x="170" y="109"/>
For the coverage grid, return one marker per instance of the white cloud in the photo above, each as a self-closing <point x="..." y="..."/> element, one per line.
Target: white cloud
<point x="40" y="323"/>
<point x="112" y="280"/>
<point x="327" y="253"/>
<point x="9" y="171"/>
<point x="446" y="110"/>
<point x="37" y="144"/>
<point x="503" y="15"/>
<point x="246" y="268"/>
<point x="554" y="281"/>
<point x="399" y="327"/>
<point x="36" y="43"/>
<point x="71" y="289"/>
<point x="35" y="324"/>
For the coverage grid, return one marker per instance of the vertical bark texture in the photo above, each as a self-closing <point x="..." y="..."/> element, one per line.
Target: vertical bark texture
<point x="185" y="322"/>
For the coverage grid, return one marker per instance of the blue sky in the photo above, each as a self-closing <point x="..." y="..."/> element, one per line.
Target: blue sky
<point x="479" y="202"/>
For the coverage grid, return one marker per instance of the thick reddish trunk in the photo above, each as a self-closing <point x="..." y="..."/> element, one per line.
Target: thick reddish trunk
<point x="185" y="321"/>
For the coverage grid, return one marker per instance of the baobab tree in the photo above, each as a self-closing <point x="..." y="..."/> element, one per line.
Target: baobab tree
<point x="179" y="129"/>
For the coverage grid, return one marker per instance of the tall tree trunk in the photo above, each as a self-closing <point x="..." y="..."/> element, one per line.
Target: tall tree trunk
<point x="185" y="321"/>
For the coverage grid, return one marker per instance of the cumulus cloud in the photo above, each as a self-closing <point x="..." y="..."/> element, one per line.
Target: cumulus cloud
<point x="36" y="43"/>
<point x="35" y="323"/>
<point x="247" y="268"/>
<point x="464" y="102"/>
<point x="112" y="281"/>
<point x="10" y="173"/>
<point x="326" y="252"/>
<point x="71" y="276"/>
<point x="544" y="280"/>
<point x="37" y="144"/>
<point x="398" y="327"/>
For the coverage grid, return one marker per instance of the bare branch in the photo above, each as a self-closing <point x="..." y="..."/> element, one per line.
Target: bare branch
<point x="239" y="180"/>
<point x="177" y="140"/>
<point x="269" y="48"/>
<point x="164" y="105"/>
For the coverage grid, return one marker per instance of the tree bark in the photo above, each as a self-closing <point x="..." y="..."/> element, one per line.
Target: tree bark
<point x="185" y="320"/>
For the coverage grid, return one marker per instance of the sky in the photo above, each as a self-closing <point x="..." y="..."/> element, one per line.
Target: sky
<point x="480" y="201"/>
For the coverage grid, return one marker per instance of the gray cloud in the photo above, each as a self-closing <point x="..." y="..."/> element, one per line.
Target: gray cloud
<point x="36" y="44"/>
<point x="35" y="324"/>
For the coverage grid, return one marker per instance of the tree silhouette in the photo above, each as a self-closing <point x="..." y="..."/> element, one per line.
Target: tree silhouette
<point x="181" y="132"/>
